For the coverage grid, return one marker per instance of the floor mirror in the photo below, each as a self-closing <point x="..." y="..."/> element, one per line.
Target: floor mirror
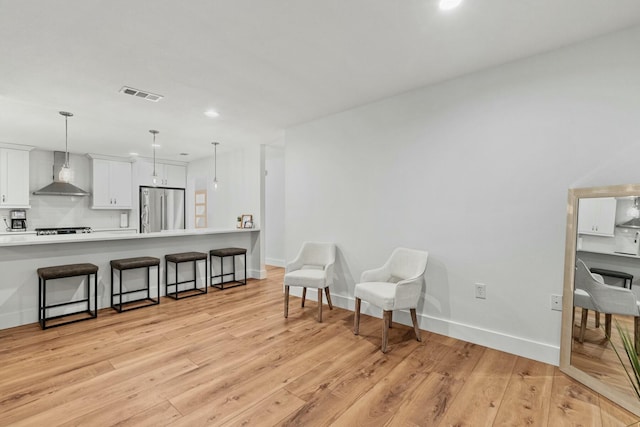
<point x="602" y="248"/>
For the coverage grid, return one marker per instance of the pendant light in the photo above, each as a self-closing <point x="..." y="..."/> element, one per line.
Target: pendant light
<point x="215" y="165"/>
<point x="154" y="178"/>
<point x="65" y="173"/>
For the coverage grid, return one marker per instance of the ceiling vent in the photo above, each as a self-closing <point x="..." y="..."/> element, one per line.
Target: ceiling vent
<point x="141" y="94"/>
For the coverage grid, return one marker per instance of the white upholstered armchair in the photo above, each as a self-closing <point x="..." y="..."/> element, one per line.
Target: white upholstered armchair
<point x="591" y="293"/>
<point x="394" y="286"/>
<point x="312" y="268"/>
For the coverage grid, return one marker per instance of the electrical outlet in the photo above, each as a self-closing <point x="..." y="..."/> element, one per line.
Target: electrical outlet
<point x="481" y="291"/>
<point x="556" y="302"/>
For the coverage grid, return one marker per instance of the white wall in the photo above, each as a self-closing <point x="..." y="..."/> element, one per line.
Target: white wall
<point x="238" y="189"/>
<point x="474" y="170"/>
<point x="274" y="206"/>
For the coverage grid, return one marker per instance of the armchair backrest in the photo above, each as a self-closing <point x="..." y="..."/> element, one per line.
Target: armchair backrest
<point x="406" y="263"/>
<point x="317" y="254"/>
<point x="606" y="299"/>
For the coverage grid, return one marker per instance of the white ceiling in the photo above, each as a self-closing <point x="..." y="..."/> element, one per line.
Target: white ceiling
<point x="264" y="65"/>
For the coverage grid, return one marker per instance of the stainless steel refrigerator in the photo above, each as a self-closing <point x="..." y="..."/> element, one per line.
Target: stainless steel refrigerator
<point x="161" y="209"/>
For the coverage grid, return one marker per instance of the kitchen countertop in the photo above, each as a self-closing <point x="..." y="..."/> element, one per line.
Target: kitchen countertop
<point x="29" y="238"/>
<point x="94" y="230"/>
<point x="595" y="251"/>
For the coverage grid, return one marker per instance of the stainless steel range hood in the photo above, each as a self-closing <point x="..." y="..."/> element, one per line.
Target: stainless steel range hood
<point x="633" y="223"/>
<point x="634" y="211"/>
<point x="59" y="188"/>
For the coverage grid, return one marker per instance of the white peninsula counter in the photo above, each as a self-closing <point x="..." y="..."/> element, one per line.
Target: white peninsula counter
<point x="22" y="254"/>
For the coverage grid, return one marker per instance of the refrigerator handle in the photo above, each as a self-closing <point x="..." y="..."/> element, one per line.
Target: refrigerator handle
<point x="162" y="213"/>
<point x="144" y="220"/>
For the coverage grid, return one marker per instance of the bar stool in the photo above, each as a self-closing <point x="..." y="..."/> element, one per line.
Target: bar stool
<point x="62" y="272"/>
<point x="222" y="254"/>
<point x="129" y="264"/>
<point x="178" y="259"/>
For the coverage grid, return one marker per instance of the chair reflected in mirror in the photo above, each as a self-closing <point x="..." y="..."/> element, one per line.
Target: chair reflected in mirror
<point x="591" y="293"/>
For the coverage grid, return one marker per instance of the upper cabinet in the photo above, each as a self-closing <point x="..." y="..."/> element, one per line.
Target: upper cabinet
<point x="597" y="216"/>
<point x="169" y="175"/>
<point x="14" y="178"/>
<point x="111" y="184"/>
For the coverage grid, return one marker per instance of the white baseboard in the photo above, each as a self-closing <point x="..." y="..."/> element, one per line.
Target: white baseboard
<point x="519" y="346"/>
<point x="257" y="274"/>
<point x="275" y="262"/>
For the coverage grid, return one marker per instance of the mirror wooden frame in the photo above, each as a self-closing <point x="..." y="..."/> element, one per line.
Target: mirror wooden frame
<point x="627" y="401"/>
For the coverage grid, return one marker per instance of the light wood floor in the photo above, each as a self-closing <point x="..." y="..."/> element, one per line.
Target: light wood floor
<point x="230" y="358"/>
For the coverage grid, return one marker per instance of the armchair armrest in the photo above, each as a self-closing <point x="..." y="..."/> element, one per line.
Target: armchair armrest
<point x="294" y="265"/>
<point x="376" y="275"/>
<point x="615" y="300"/>
<point x="408" y="290"/>
<point x="410" y="280"/>
<point x="328" y="273"/>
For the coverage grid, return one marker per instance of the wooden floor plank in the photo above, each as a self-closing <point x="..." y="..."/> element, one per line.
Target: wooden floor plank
<point x="269" y="411"/>
<point x="437" y="392"/>
<point x="527" y="398"/>
<point x="378" y="405"/>
<point x="572" y="403"/>
<point x="160" y="415"/>
<point x="230" y="357"/>
<point x="477" y="402"/>
<point x="73" y="402"/>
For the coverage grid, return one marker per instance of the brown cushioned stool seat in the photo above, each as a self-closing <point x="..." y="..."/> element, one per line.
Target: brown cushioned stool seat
<point x="136" y="302"/>
<point x="62" y="272"/>
<point x="228" y="252"/>
<point x="177" y="259"/>
<point x="139" y="262"/>
<point x="186" y="257"/>
<point x="69" y="270"/>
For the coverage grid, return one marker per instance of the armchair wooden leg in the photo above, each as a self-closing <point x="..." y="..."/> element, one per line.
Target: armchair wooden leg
<point x="607" y="324"/>
<point x="326" y="291"/>
<point x="414" y="319"/>
<point x="286" y="301"/>
<point x="636" y="334"/>
<point x="385" y="330"/>
<point x="356" y="318"/>
<point x="390" y="319"/>
<point x="583" y="324"/>
<point x="320" y="305"/>
<point x="597" y="313"/>
<point x="304" y="295"/>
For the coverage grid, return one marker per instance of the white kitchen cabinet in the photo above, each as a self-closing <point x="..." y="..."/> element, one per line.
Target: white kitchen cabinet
<point x="111" y="184"/>
<point x="168" y="175"/>
<point x="597" y="216"/>
<point x="14" y="178"/>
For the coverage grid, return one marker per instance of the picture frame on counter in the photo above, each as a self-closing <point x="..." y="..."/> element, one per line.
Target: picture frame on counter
<point x="247" y="221"/>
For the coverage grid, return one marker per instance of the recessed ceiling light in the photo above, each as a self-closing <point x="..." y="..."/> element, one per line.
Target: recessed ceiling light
<point x="184" y="154"/>
<point x="133" y="154"/>
<point x="155" y="145"/>
<point x="211" y="113"/>
<point x="449" y="4"/>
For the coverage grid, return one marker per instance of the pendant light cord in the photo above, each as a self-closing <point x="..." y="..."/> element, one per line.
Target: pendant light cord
<point x="154" y="154"/>
<point x="66" y="141"/>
